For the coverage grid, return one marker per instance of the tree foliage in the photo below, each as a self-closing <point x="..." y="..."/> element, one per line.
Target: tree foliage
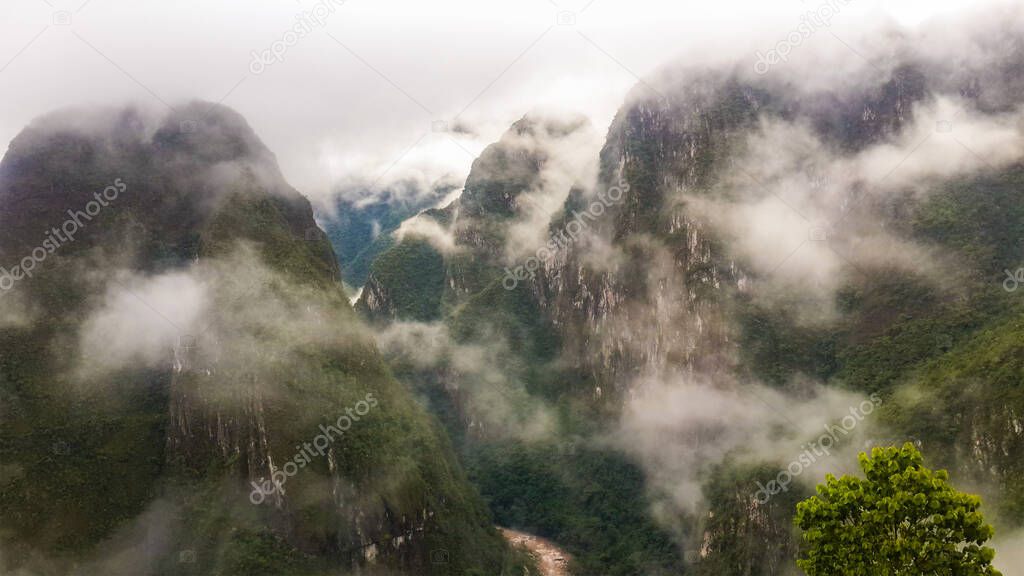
<point x="902" y="518"/>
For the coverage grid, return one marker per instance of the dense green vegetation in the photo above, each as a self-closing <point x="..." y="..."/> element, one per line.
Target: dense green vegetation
<point x="150" y="466"/>
<point x="361" y="230"/>
<point x="413" y="274"/>
<point x="589" y="501"/>
<point x="968" y="396"/>
<point x="901" y="518"/>
<point x="943" y="350"/>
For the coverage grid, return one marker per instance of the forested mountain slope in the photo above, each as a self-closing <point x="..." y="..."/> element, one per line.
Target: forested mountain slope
<point x="184" y="388"/>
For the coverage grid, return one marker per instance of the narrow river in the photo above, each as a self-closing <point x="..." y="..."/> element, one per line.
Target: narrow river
<point x="551" y="560"/>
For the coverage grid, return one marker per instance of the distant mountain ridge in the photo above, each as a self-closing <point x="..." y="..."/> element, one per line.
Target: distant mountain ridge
<point x="361" y="229"/>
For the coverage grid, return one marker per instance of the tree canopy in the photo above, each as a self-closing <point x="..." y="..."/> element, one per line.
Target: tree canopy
<point x="901" y="518"/>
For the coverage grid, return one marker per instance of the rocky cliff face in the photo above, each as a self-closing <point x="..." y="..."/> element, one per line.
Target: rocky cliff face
<point x="655" y="304"/>
<point x="664" y="302"/>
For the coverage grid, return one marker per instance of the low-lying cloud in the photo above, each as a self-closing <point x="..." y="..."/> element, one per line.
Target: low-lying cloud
<point x="141" y="320"/>
<point x="802" y="216"/>
<point x="479" y="376"/>
<point x="680" y="427"/>
<point x="429" y="229"/>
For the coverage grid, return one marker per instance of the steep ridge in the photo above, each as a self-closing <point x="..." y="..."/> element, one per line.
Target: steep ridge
<point x="184" y="388"/>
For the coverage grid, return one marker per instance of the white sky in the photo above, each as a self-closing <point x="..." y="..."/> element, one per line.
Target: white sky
<point x="334" y="112"/>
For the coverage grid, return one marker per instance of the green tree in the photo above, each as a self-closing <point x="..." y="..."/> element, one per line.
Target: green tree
<point x="902" y="518"/>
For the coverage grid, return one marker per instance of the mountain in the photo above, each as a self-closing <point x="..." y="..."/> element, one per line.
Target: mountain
<point x="184" y="388"/>
<point x="487" y="359"/>
<point x="360" y="225"/>
<point x="759" y="258"/>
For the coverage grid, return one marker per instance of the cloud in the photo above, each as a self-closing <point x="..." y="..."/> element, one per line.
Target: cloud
<point x="439" y="160"/>
<point x="568" y="148"/>
<point x="391" y="73"/>
<point x="803" y="216"/>
<point x="680" y="427"/>
<point x="232" y="314"/>
<point x="1009" y="553"/>
<point x="141" y="320"/>
<point x="429" y="229"/>
<point x="946" y="139"/>
<point x="481" y="378"/>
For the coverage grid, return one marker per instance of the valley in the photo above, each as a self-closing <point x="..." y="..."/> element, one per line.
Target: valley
<point x="753" y="323"/>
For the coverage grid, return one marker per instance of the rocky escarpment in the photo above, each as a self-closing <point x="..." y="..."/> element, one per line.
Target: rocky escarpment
<point x="665" y="302"/>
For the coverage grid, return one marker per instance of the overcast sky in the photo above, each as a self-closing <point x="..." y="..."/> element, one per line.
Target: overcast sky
<point x="357" y="96"/>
